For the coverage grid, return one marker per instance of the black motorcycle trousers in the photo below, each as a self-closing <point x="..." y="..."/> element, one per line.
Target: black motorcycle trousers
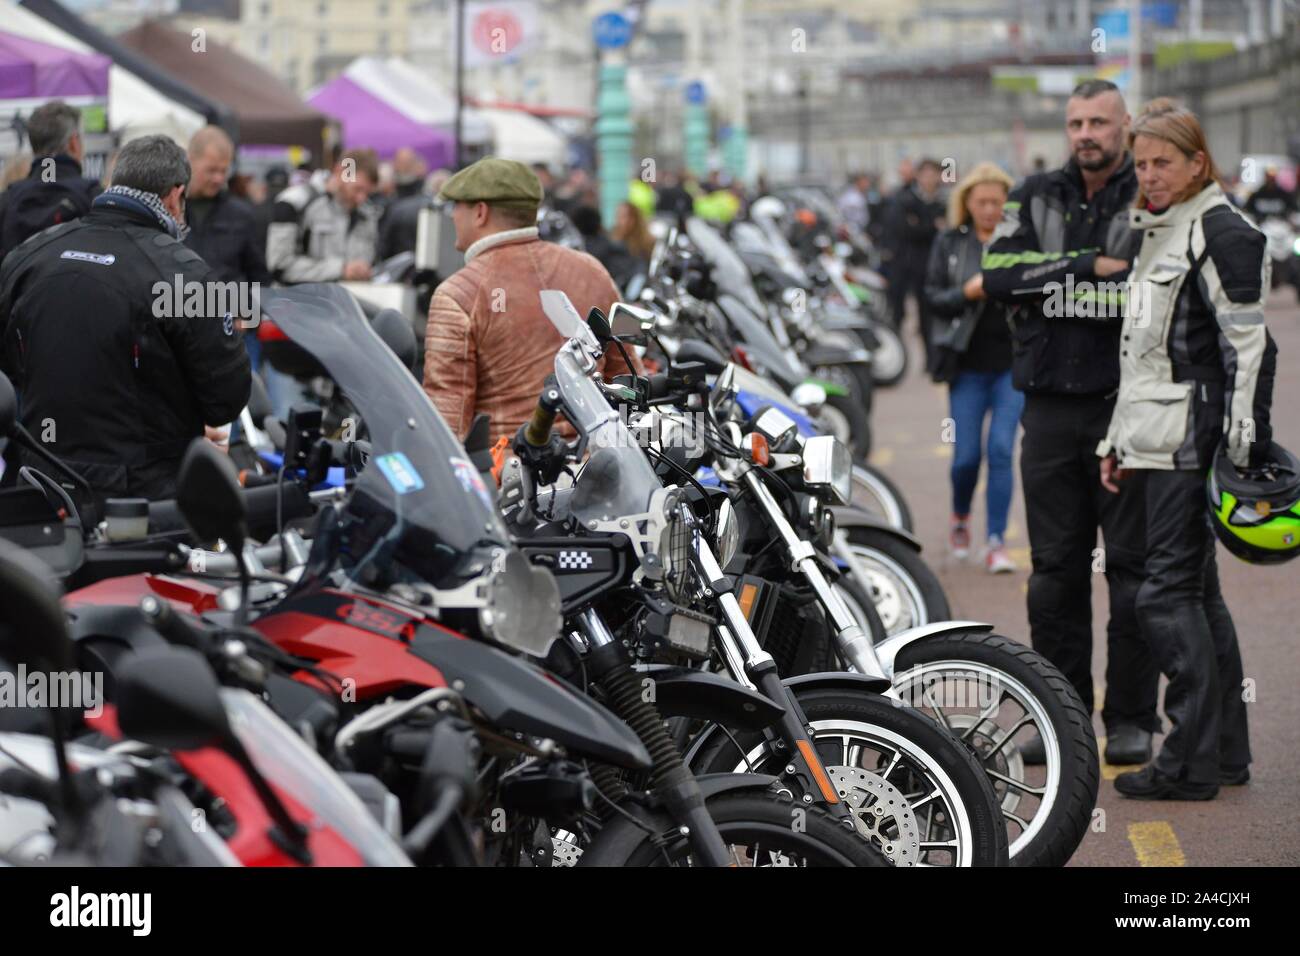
<point x="1186" y="622"/>
<point x="1065" y="504"/>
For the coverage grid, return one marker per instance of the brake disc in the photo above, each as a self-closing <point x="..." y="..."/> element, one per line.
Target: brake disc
<point x="564" y="849"/>
<point x="880" y="812"/>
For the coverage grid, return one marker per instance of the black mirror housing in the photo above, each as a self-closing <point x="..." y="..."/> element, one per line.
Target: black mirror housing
<point x="168" y="698"/>
<point x="209" y="496"/>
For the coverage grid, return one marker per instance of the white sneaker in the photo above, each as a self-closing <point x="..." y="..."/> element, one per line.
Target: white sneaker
<point x="959" y="537"/>
<point x="996" y="558"/>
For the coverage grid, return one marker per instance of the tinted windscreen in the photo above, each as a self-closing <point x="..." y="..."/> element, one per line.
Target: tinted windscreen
<point x="418" y="472"/>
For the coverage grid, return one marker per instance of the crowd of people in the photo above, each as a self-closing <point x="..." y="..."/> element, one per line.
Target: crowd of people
<point x="1121" y="420"/>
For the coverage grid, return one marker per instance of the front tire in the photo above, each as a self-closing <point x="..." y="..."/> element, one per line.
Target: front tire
<point x="762" y="828"/>
<point x="1029" y="688"/>
<point x="905" y="592"/>
<point x="887" y="755"/>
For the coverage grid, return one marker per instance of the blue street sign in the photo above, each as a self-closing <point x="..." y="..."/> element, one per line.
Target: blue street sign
<point x="611" y="30"/>
<point x="696" y="93"/>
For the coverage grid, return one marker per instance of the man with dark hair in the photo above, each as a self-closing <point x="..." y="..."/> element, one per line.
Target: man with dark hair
<point x="117" y="372"/>
<point x="331" y="234"/>
<point x="1068" y="229"/>
<point x="54" y="191"/>
<point x="488" y="345"/>
<point x="916" y="214"/>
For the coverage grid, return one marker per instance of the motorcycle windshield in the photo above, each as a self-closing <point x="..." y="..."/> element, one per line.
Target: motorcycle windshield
<point x="617" y="479"/>
<point x="298" y="771"/>
<point x="729" y="272"/>
<point x="420" y="497"/>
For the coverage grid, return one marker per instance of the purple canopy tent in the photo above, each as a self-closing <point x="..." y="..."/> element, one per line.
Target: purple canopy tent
<point x="369" y="121"/>
<point x="30" y="69"/>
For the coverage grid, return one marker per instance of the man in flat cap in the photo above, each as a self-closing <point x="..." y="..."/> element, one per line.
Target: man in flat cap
<point x="489" y="346"/>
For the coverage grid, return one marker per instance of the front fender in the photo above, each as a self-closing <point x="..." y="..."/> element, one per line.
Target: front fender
<point x="837" y="680"/>
<point x="850" y="517"/>
<point x="683" y="692"/>
<point x="712" y="784"/>
<point x="887" y="650"/>
<point x="833" y="680"/>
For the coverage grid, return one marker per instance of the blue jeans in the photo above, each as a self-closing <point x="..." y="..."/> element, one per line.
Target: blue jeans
<point x="972" y="396"/>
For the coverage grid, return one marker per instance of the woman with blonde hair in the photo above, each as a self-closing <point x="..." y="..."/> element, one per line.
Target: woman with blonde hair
<point x="972" y="353"/>
<point x="630" y="229"/>
<point x="1196" y="381"/>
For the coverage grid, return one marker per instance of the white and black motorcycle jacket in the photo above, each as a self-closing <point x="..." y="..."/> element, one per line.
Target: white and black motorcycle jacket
<point x="1196" y="360"/>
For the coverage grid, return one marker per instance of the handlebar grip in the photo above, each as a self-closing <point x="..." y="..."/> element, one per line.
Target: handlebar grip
<point x="168" y="623"/>
<point x="538" y="431"/>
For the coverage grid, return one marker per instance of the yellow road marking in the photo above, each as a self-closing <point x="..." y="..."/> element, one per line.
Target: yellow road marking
<point x="1155" y="844"/>
<point x="942" y="451"/>
<point x="882" y="457"/>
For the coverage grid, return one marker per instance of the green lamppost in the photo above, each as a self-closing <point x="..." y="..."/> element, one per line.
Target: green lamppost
<point x="697" y="130"/>
<point x="613" y="32"/>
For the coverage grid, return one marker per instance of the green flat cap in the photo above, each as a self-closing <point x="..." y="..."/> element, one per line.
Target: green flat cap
<point x="498" y="182"/>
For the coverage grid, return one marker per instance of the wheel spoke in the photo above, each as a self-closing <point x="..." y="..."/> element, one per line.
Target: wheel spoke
<point x="923" y="801"/>
<point x="1023" y="824"/>
<point x="851" y="753"/>
<point x="988" y="712"/>
<point x="1017" y="784"/>
<point x="893" y="762"/>
<point x="938" y="711"/>
<point x="1027" y="719"/>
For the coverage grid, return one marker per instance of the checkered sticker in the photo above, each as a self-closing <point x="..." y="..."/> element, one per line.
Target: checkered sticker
<point x="575" y="560"/>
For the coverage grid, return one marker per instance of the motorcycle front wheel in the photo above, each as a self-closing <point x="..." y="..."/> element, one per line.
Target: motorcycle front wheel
<point x="917" y="795"/>
<point x="875" y="494"/>
<point x="994" y="695"/>
<point x="760" y="828"/>
<point x="903" y="589"/>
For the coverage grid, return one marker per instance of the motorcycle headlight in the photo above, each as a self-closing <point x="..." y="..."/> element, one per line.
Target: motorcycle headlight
<point x="521" y="606"/>
<point x="827" y="466"/>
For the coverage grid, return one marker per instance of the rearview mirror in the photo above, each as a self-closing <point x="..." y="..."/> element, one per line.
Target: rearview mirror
<point x="33" y="629"/>
<point x="599" y="326"/>
<point x="209" y="496"/>
<point x="168" y="697"/>
<point x="631" y="323"/>
<point x="693" y="350"/>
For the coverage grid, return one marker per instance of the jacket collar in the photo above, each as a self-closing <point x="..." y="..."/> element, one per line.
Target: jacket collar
<point x="62" y="163"/>
<point x="1179" y="213"/>
<point x="1123" y="173"/>
<point x="499" y="239"/>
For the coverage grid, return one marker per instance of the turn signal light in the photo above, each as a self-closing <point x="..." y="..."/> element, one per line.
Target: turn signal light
<point x="759" y="452"/>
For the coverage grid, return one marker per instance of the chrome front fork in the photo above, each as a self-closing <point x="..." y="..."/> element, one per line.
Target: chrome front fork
<point x="854" y="644"/>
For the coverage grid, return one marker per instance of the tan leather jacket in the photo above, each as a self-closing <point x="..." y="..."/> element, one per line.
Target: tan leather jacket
<point x="489" y="346"/>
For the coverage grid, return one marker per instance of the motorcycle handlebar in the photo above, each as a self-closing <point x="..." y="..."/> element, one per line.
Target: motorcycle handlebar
<point x="259" y="506"/>
<point x="538" y="432"/>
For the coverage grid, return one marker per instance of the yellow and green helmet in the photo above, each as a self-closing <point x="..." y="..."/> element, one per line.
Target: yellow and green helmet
<point x="1256" y="512"/>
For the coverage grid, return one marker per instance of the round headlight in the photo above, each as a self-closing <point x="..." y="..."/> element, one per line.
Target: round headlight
<point x="522" y="606"/>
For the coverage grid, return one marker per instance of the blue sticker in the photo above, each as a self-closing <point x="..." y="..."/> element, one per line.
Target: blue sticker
<point x="399" y="471"/>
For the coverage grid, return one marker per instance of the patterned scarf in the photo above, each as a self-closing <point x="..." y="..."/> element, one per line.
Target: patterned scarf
<point x="124" y="197"/>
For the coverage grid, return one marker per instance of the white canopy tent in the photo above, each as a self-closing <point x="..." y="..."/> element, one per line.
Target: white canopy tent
<point x="134" y="107"/>
<point x="416" y="96"/>
<point x="523" y="137"/>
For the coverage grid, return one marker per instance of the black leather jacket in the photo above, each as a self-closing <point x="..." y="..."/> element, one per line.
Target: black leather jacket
<point x="1052" y="234"/>
<point x="112" y="380"/>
